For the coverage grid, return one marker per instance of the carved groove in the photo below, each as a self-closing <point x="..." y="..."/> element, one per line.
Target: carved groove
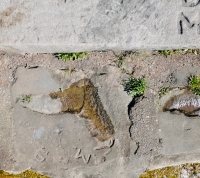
<point x="184" y="18"/>
<point x="185" y="3"/>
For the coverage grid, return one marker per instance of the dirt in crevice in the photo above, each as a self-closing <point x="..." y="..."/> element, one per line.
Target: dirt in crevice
<point x="82" y="98"/>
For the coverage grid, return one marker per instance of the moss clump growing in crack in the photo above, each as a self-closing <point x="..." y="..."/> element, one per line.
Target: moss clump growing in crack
<point x="70" y="56"/>
<point x="167" y="53"/>
<point x="135" y="87"/>
<point x="26" y="98"/>
<point x="163" y="91"/>
<point x="194" y="84"/>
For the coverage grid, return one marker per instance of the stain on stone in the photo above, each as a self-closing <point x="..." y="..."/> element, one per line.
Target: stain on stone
<point x="10" y="17"/>
<point x="82" y="98"/>
<point x="187" y="103"/>
<point x="27" y="174"/>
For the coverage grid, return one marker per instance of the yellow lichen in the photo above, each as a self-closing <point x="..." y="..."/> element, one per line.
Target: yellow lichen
<point x="25" y="174"/>
<point x="190" y="169"/>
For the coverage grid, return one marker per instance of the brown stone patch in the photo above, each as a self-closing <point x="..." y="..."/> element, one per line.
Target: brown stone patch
<point x="188" y="108"/>
<point x="10" y="16"/>
<point x="82" y="98"/>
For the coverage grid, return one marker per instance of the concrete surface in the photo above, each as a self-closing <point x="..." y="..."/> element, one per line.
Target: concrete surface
<point x="87" y="25"/>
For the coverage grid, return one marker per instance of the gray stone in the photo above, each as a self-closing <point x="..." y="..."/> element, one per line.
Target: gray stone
<point x="179" y="134"/>
<point x="86" y="25"/>
<point x="58" y="143"/>
<point x="44" y="104"/>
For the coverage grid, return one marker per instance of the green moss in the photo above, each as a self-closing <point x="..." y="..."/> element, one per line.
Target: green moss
<point x="135" y="87"/>
<point x="163" y="91"/>
<point x="70" y="56"/>
<point x="26" y="98"/>
<point x="194" y="84"/>
<point x="167" y="53"/>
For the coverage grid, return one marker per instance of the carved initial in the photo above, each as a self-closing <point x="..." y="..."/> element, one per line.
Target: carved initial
<point x="190" y="4"/>
<point x="183" y="18"/>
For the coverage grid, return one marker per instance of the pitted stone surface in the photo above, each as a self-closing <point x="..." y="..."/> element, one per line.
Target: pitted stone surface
<point x="86" y="25"/>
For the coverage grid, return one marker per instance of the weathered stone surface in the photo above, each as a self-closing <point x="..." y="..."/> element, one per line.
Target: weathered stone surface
<point x="179" y="120"/>
<point x="80" y="98"/>
<point x="67" y="26"/>
<point x="57" y="141"/>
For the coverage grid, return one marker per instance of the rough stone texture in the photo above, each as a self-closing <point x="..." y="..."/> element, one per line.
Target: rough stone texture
<point x="55" y="143"/>
<point x="6" y="129"/>
<point x="61" y="146"/>
<point x="80" y="98"/>
<point x="86" y="25"/>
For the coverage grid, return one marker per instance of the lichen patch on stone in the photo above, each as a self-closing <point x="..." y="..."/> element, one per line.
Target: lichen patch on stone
<point x="82" y="98"/>
<point x="27" y="174"/>
<point x="180" y="171"/>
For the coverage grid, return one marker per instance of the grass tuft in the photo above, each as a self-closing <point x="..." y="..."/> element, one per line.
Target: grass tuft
<point x="70" y="56"/>
<point x="167" y="53"/>
<point x="163" y="91"/>
<point x="26" y="98"/>
<point x="194" y="84"/>
<point x="135" y="87"/>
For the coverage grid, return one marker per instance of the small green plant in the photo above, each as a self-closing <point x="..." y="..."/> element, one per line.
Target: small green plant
<point x="70" y="56"/>
<point x="167" y="53"/>
<point x="194" y="84"/>
<point x="163" y="91"/>
<point x="26" y="98"/>
<point x="119" y="61"/>
<point x="135" y="87"/>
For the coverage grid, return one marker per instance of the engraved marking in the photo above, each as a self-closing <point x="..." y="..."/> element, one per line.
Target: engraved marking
<point x="198" y="29"/>
<point x="106" y="144"/>
<point x="85" y="159"/>
<point x="183" y="18"/>
<point x="40" y="155"/>
<point x="99" y="160"/>
<point x="77" y="156"/>
<point x="185" y="3"/>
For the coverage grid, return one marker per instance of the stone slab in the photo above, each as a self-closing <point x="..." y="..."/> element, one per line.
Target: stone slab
<point x="55" y="142"/>
<point x="86" y="25"/>
<point x="180" y="134"/>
